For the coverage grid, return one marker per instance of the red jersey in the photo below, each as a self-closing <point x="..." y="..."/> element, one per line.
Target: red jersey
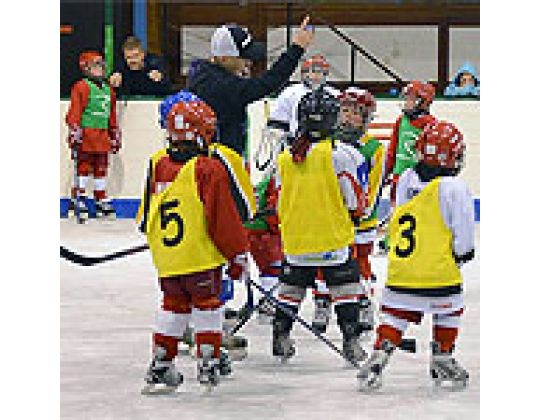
<point x="94" y="140"/>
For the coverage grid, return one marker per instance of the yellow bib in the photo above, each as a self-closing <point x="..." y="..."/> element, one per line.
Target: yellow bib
<point x="241" y="188"/>
<point x="176" y="228"/>
<point x="420" y="254"/>
<point x="311" y="210"/>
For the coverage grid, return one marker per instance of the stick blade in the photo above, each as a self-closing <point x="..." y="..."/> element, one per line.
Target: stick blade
<point x="74" y="257"/>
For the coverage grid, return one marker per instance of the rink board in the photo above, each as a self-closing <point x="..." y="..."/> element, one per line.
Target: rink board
<point x="142" y="137"/>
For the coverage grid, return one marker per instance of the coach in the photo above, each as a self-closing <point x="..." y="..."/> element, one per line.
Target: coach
<point x="223" y="81"/>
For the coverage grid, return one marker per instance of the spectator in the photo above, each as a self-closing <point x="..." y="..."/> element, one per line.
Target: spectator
<point x="140" y="73"/>
<point x="223" y="81"/>
<point x="466" y="83"/>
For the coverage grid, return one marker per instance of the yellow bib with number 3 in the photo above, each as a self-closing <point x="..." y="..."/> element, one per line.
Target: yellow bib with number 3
<point x="176" y="229"/>
<point x="420" y="244"/>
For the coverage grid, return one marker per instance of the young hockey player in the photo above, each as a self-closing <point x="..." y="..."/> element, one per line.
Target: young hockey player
<point x="357" y="109"/>
<point x="193" y="229"/>
<point x="319" y="196"/>
<point x="265" y="242"/>
<point x="401" y="155"/>
<point x="431" y="236"/>
<point x="313" y="72"/>
<point x="93" y="132"/>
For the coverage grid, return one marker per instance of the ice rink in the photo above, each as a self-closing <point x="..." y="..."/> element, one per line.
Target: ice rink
<point x="107" y="314"/>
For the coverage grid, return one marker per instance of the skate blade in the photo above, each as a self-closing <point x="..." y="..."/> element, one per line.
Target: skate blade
<point x="451" y="386"/>
<point x="369" y="385"/>
<point x="158" y="389"/>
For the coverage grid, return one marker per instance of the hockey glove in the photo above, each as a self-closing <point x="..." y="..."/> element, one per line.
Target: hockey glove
<point x="116" y="139"/>
<point x="75" y="135"/>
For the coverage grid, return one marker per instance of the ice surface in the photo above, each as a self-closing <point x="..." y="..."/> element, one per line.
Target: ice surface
<point x="107" y="313"/>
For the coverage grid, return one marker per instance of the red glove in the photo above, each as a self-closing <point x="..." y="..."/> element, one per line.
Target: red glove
<point x="75" y="135"/>
<point x="238" y="267"/>
<point x="116" y="139"/>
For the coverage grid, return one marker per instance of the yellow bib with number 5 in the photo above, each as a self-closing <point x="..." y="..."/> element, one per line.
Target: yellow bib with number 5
<point x="420" y="244"/>
<point x="176" y="231"/>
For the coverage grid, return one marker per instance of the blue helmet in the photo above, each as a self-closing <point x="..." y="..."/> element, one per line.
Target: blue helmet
<point x="167" y="103"/>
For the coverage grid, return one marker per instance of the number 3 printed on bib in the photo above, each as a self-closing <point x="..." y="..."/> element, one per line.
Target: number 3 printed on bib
<point x="407" y="225"/>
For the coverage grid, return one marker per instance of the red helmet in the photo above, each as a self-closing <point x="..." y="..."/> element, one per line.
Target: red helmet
<point x="316" y="62"/>
<point x="192" y="121"/>
<point x="361" y="98"/>
<point x="441" y="145"/>
<point x="87" y="57"/>
<point x="423" y="91"/>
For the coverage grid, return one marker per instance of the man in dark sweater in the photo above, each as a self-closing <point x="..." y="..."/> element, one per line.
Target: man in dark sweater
<point x="223" y="81"/>
<point x="140" y="73"/>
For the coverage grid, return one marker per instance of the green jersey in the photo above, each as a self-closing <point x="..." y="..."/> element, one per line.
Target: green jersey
<point x="97" y="111"/>
<point x="406" y="147"/>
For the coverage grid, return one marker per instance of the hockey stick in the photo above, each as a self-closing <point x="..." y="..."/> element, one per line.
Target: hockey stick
<point x="89" y="261"/>
<point x="299" y="319"/>
<point x="357" y="47"/>
<point x="248" y="313"/>
<point x="75" y="156"/>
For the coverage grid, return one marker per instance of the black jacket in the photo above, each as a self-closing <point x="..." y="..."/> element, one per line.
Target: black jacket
<point x="137" y="82"/>
<point x="229" y="95"/>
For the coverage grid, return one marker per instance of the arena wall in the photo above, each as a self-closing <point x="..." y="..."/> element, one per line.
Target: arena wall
<point x="142" y="136"/>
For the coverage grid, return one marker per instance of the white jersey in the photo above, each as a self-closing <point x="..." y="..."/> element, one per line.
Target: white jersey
<point x="286" y="110"/>
<point x="345" y="158"/>
<point x="455" y="202"/>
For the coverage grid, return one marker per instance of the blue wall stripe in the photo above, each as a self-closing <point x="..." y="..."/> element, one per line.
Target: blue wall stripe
<point x="139" y="21"/>
<point x="126" y="208"/>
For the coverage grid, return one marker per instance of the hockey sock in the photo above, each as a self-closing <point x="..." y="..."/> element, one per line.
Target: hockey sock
<point x="387" y="332"/>
<point x="208" y="327"/>
<point x="99" y="189"/>
<point x="83" y="181"/>
<point x="445" y="336"/>
<point x="347" y="318"/>
<point x="170" y="344"/>
<point x="208" y="337"/>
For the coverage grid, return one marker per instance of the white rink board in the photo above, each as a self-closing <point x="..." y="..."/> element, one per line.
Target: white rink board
<point x="142" y="136"/>
<point x="107" y="313"/>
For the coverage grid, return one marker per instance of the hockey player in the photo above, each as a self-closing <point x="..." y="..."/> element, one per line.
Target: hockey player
<point x="401" y="155"/>
<point x="357" y="109"/>
<point x="417" y="99"/>
<point x="93" y="132"/>
<point x="315" y="209"/>
<point x="265" y="242"/>
<point x="313" y="72"/>
<point x="193" y="229"/>
<point x="431" y="236"/>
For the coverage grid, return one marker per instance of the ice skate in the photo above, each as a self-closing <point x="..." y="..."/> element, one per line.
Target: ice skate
<point x="366" y="319"/>
<point x="236" y="346"/>
<point x="225" y="362"/>
<point x="104" y="210"/>
<point x="265" y="313"/>
<point x="370" y="374"/>
<point x="208" y="368"/>
<point x="353" y="351"/>
<point x="283" y="348"/>
<point x="321" y="317"/>
<point x="83" y="209"/>
<point x="161" y="377"/>
<point x="446" y="372"/>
